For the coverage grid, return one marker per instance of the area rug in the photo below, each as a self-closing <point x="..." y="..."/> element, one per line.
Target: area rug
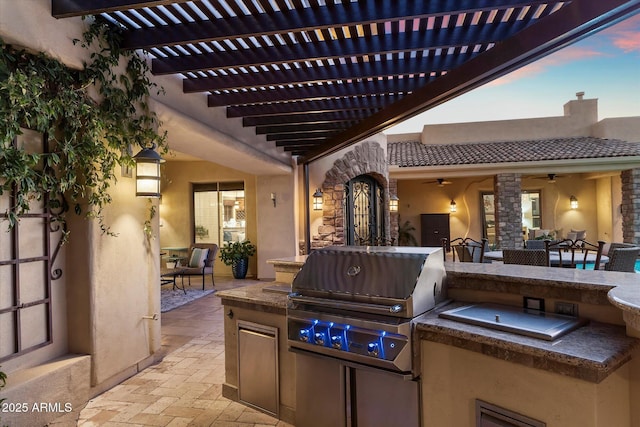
<point x="170" y="298"/>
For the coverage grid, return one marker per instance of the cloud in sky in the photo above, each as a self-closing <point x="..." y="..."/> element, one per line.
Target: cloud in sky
<point x="624" y="36"/>
<point x="567" y="55"/>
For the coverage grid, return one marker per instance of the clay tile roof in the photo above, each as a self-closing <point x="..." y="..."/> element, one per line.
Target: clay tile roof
<point x="414" y="153"/>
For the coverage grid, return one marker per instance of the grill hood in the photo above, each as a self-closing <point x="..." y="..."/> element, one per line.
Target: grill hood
<point x="384" y="275"/>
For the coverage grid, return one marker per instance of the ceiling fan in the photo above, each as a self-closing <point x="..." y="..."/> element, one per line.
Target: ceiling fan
<point x="551" y="177"/>
<point x="440" y="181"/>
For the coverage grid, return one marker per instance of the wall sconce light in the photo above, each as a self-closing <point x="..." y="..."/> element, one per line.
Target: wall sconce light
<point x="393" y="203"/>
<point x="573" y="202"/>
<point x="273" y="199"/>
<point x="148" y="172"/>
<point x="317" y="200"/>
<point x="453" y="207"/>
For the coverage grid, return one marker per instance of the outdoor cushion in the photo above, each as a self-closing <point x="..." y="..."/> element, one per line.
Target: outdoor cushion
<point x="198" y="256"/>
<point x="580" y="234"/>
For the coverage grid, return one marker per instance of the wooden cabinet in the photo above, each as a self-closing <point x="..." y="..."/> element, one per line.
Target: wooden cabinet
<point x="433" y="228"/>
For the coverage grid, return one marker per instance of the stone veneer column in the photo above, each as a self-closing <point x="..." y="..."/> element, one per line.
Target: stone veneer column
<point x="508" y="210"/>
<point x="631" y="205"/>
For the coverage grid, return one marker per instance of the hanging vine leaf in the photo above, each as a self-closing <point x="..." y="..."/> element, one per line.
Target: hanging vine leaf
<point x="88" y="137"/>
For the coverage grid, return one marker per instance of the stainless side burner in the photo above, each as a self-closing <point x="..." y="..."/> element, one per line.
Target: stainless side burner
<point x="532" y="323"/>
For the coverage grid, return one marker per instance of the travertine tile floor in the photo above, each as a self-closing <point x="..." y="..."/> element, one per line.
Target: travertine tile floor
<point x="185" y="388"/>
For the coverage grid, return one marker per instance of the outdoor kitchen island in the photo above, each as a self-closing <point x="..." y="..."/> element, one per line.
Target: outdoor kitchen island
<point x="588" y="377"/>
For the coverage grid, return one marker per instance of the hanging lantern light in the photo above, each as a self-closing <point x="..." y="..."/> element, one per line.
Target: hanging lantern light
<point x="148" y="172"/>
<point x="453" y="207"/>
<point x="393" y="203"/>
<point x="317" y="200"/>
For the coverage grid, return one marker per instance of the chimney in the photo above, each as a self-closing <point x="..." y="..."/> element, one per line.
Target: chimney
<point x="580" y="95"/>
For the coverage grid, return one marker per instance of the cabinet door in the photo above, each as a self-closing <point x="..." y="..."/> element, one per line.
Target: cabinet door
<point x="383" y="399"/>
<point x="258" y="367"/>
<point x="434" y="227"/>
<point x="320" y="392"/>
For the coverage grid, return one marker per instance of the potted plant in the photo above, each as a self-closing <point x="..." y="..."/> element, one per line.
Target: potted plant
<point x="236" y="254"/>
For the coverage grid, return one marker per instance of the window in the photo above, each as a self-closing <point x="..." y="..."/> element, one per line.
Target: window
<point x="531" y="213"/>
<point x="219" y="212"/>
<point x="364" y="212"/>
<point x="25" y="271"/>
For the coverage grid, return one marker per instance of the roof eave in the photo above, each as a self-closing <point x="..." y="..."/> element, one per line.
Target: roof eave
<point x="535" y="167"/>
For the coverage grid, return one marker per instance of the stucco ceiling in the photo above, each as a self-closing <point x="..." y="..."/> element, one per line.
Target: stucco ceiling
<point x="314" y="76"/>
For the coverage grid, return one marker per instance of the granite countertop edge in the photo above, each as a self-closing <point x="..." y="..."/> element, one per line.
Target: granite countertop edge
<point x="590" y="353"/>
<point x="257" y="295"/>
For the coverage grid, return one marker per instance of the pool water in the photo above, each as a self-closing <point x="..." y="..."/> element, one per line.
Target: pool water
<point x="590" y="266"/>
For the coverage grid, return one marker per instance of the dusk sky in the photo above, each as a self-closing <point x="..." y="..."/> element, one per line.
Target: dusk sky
<point x="605" y="66"/>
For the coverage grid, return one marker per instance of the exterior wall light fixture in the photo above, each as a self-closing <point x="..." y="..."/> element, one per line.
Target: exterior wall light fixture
<point x="573" y="202"/>
<point x="393" y="203"/>
<point x="453" y="207"/>
<point x="317" y="200"/>
<point x="148" y="172"/>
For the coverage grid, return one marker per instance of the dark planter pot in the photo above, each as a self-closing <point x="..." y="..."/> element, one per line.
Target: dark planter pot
<point x="239" y="268"/>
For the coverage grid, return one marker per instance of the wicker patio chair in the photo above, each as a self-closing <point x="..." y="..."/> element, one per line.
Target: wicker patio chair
<point x="537" y="257"/>
<point x="623" y="259"/>
<point x="573" y="252"/>
<point x="616" y="245"/>
<point x="469" y="250"/>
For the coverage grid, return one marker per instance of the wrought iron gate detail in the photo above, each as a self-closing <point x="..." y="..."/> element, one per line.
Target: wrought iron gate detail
<point x="364" y="212"/>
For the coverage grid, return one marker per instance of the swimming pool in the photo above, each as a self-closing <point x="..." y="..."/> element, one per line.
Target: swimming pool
<point x="590" y="266"/>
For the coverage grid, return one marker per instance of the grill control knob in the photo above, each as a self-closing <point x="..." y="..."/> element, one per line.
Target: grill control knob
<point x="319" y="338"/>
<point x="373" y="349"/>
<point x="303" y="335"/>
<point x="336" y="342"/>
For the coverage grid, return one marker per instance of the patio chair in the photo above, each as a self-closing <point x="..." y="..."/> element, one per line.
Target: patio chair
<point x="534" y="244"/>
<point x="469" y="250"/>
<point x="570" y="253"/>
<point x="537" y="257"/>
<point x="623" y="259"/>
<point x="199" y="263"/>
<point x="616" y="245"/>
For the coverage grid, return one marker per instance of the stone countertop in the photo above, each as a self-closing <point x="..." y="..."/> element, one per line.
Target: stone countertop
<point x="589" y="353"/>
<point x="627" y="298"/>
<point x="264" y="296"/>
<point x="294" y="260"/>
<point x="579" y="285"/>
<point x="555" y="276"/>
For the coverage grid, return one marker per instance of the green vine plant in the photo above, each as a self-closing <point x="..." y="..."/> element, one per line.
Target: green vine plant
<point x="3" y="382"/>
<point x="88" y="136"/>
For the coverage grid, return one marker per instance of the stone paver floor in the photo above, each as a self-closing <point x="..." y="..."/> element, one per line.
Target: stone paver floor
<point x="185" y="388"/>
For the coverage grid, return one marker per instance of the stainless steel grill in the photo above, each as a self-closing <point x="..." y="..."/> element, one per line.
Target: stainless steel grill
<point x="350" y="320"/>
<point x="359" y="303"/>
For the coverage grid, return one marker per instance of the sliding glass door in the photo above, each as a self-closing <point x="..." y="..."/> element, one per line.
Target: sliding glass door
<point x="219" y="212"/>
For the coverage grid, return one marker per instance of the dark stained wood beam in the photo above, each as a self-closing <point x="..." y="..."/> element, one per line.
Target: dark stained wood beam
<point x="324" y="91"/>
<point x="350" y="71"/>
<point x="330" y="116"/>
<point x="343" y="48"/>
<point x="298" y="127"/>
<point x="377" y="102"/>
<point x="307" y="19"/>
<point x="293" y="136"/>
<point x="69" y="8"/>
<point x="573" y="22"/>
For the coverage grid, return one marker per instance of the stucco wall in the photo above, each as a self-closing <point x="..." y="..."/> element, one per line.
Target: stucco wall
<point x="579" y="116"/>
<point x="276" y="224"/>
<point x="451" y="381"/>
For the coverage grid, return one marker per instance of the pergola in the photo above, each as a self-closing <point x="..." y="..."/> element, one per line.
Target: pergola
<point x="314" y="76"/>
